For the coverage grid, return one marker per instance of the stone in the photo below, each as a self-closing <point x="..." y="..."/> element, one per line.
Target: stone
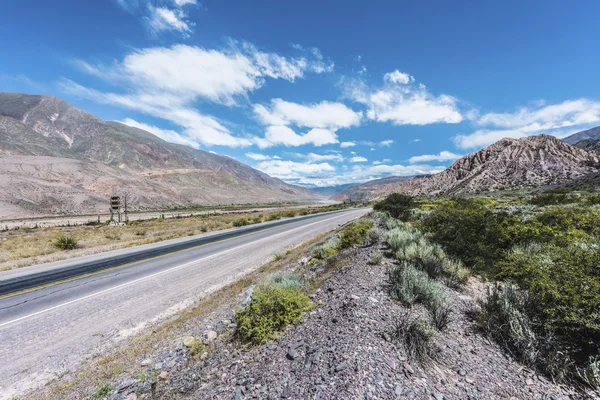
<point x="188" y="341"/>
<point x="210" y="335"/>
<point x="529" y="381"/>
<point x="373" y="299"/>
<point x="437" y="396"/>
<point x="398" y="390"/>
<point x="158" y="365"/>
<point x="163" y="376"/>
<point x="462" y="372"/>
<point x="146" y="362"/>
<point x="341" y="367"/>
<point x="131" y="396"/>
<point x="469" y="380"/>
<point x="292" y="354"/>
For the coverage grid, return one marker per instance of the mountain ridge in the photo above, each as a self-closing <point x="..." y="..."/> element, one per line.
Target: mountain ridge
<point x="156" y="172"/>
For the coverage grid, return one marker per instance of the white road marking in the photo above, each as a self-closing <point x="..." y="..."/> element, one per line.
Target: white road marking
<point x="178" y="267"/>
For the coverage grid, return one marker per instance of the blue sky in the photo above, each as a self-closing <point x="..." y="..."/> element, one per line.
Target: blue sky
<point x="316" y="93"/>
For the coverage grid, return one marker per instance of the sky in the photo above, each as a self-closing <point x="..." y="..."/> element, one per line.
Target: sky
<point x="315" y="93"/>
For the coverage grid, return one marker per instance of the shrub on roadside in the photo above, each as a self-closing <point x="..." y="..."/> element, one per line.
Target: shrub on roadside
<point x="326" y="250"/>
<point x="271" y="309"/>
<point x="397" y="205"/>
<point x="417" y="338"/>
<point x="355" y="234"/>
<point x="411" y="285"/>
<point x="65" y="243"/>
<point x="372" y="236"/>
<point x="240" y="222"/>
<point x="287" y="280"/>
<point x="140" y="233"/>
<point x="376" y="258"/>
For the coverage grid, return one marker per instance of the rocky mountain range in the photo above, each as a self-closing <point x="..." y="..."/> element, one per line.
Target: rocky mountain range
<point x="507" y="164"/>
<point x="368" y="190"/>
<point x="55" y="158"/>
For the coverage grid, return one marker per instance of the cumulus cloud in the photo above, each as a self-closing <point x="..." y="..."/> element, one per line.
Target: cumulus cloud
<point x="344" y="145"/>
<point x="291" y="170"/>
<point x="402" y="102"/>
<point x="312" y="157"/>
<point x="326" y="115"/>
<point x="284" y="135"/>
<point x="165" y="134"/>
<point x="358" y="159"/>
<point x="167" y="82"/>
<point x="386" y="143"/>
<point x="560" y="120"/>
<point x="257" y="156"/>
<point x="441" y="157"/>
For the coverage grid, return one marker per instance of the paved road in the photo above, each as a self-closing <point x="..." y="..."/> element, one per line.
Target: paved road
<point x="48" y="331"/>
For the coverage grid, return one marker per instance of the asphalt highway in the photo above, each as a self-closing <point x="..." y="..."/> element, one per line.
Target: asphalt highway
<point x="50" y="326"/>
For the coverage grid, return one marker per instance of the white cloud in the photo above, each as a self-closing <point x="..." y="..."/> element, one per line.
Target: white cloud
<point x="291" y="169"/>
<point x="167" y="82"/>
<point x="283" y="135"/>
<point x="165" y="134"/>
<point x="358" y="159"/>
<point x="164" y="19"/>
<point x="441" y="157"/>
<point x="257" y="156"/>
<point x="312" y="157"/>
<point x="398" y="77"/>
<point x="326" y="115"/>
<point x="344" y="145"/>
<point x="386" y="143"/>
<point x="401" y="102"/>
<point x="560" y="120"/>
<point x="181" y="3"/>
<point x="414" y="140"/>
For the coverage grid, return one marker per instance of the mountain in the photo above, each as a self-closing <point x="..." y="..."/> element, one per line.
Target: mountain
<point x="507" y="164"/>
<point x="68" y="160"/>
<point x="366" y="191"/>
<point x="331" y="191"/>
<point x="593" y="134"/>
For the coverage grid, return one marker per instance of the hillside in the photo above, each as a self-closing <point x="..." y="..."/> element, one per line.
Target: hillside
<point x="112" y="156"/>
<point x="365" y="191"/>
<point x="590" y="134"/>
<point x="506" y="164"/>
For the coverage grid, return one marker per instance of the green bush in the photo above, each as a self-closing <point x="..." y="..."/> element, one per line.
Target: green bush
<point x="411" y="285"/>
<point x="65" y="243"/>
<point x="397" y="205"/>
<point x="376" y="258"/>
<point x="240" y="222"/>
<point x="355" y="234"/>
<point x="417" y="338"/>
<point x="372" y="236"/>
<point x="512" y="318"/>
<point x="467" y="230"/>
<point x="287" y="280"/>
<point x="271" y="309"/>
<point x="326" y="250"/>
<point x="552" y="198"/>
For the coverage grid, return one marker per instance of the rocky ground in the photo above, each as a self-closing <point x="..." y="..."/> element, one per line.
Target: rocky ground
<point x="345" y="349"/>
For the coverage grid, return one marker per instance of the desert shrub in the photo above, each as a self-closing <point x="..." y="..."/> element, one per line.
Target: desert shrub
<point x="289" y="214"/>
<point x="593" y="198"/>
<point x="274" y="217"/>
<point x="203" y="229"/>
<point x="512" y="318"/>
<point x="552" y="198"/>
<point x="65" y="243"/>
<point x="376" y="258"/>
<point x="278" y="256"/>
<point x="355" y="234"/>
<point x="271" y="309"/>
<point x="565" y="283"/>
<point x="240" y="222"/>
<point x="287" y="280"/>
<point x="397" y="205"/>
<point x="257" y="220"/>
<point x="401" y="236"/>
<point x="411" y="285"/>
<point x="113" y="236"/>
<point x="590" y="373"/>
<point x="373" y="236"/>
<point x="100" y="393"/>
<point x="467" y="230"/>
<point x="140" y="233"/>
<point x="326" y="250"/>
<point x="440" y="316"/>
<point x="417" y="337"/>
<point x="198" y="348"/>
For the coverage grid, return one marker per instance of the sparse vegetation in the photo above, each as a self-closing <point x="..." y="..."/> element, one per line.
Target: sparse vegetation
<point x="287" y="280"/>
<point x="376" y="258"/>
<point x="399" y="206"/>
<point x="278" y="256"/>
<point x="65" y="243"/>
<point x="326" y="250"/>
<point x="271" y="309"/>
<point x="417" y="338"/>
<point x="100" y="393"/>
<point x="355" y="234"/>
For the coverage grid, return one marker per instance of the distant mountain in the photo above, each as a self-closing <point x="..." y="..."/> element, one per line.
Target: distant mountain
<point x="593" y="134"/>
<point x="112" y="156"/>
<point x="507" y="164"/>
<point x="366" y="191"/>
<point x="588" y="144"/>
<point x="330" y="191"/>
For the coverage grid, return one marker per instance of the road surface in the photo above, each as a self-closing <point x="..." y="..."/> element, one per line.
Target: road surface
<point x="49" y="330"/>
